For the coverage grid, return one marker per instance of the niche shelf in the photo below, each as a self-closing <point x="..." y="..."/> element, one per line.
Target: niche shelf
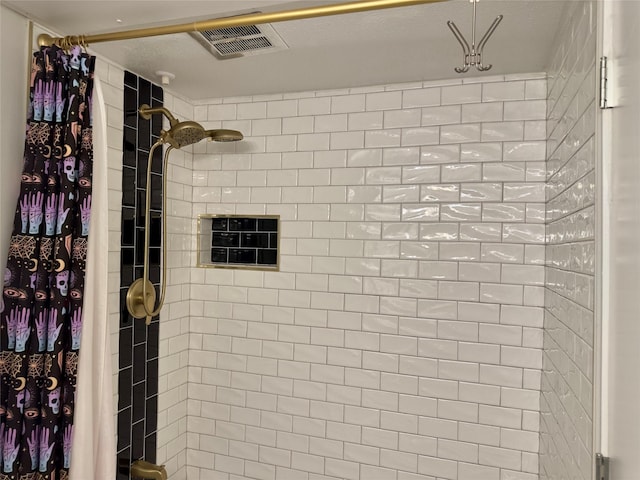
<point x="239" y="241"/>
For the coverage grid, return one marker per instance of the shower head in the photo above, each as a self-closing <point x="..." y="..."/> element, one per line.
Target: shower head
<point x="188" y="132"/>
<point x="184" y="133"/>
<point x="222" y="135"/>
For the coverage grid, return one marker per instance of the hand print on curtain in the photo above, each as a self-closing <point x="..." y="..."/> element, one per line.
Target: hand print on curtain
<point x="41" y="309"/>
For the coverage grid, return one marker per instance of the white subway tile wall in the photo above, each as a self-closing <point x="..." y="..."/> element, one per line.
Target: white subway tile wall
<point x="402" y="336"/>
<point x="566" y="449"/>
<point x="175" y="337"/>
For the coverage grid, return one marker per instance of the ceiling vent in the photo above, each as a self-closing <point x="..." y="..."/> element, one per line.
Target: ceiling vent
<point x="241" y="41"/>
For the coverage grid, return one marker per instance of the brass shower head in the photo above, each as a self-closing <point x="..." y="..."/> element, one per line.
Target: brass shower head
<point x="188" y="132"/>
<point x="222" y="135"/>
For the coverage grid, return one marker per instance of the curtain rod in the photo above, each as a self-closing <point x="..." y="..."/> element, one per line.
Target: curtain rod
<point x="228" y="22"/>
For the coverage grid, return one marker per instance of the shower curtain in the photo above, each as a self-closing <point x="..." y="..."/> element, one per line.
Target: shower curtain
<point x="94" y="430"/>
<point x="41" y="312"/>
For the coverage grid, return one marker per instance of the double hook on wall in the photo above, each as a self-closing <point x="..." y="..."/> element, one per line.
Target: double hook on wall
<point x="472" y="55"/>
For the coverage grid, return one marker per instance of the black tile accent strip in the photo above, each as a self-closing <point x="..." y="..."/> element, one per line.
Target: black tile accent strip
<point x="139" y="344"/>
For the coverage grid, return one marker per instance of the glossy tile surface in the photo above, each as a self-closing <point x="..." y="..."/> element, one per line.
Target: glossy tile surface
<point x="402" y="336"/>
<point x="567" y="380"/>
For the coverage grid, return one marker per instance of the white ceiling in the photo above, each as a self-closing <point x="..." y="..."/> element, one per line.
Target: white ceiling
<point x="387" y="46"/>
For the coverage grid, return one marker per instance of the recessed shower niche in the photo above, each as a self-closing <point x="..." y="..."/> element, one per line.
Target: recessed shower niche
<point x="239" y="241"/>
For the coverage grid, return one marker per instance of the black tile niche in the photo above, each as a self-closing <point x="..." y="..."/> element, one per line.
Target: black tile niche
<point x="240" y="241"/>
<point x="138" y="354"/>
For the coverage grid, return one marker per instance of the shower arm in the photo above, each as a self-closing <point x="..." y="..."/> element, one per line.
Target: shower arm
<point x="146" y="112"/>
<point x="141" y="296"/>
<point x="229" y="22"/>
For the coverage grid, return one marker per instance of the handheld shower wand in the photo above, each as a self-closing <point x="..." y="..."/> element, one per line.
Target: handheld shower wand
<point x="141" y="296"/>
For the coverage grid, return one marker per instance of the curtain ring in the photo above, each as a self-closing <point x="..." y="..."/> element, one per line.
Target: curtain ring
<point x="83" y="43"/>
<point x="65" y="44"/>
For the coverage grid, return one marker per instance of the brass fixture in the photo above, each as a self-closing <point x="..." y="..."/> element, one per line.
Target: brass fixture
<point x="141" y="296"/>
<point x="148" y="471"/>
<point x="187" y="132"/>
<point x="228" y="22"/>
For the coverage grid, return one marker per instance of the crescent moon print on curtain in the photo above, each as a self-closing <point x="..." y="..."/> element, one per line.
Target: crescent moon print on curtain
<point x="41" y="309"/>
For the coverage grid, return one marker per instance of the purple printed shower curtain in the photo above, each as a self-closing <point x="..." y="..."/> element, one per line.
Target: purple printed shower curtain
<point x="41" y="309"/>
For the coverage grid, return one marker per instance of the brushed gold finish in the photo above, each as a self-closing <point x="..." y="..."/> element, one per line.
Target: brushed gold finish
<point x="187" y="132"/>
<point x="148" y="471"/>
<point x="141" y="296"/>
<point x="30" y="50"/>
<point x="224" y="135"/>
<point x="141" y="300"/>
<point x="229" y="22"/>
<point x="138" y="295"/>
<point x="146" y="112"/>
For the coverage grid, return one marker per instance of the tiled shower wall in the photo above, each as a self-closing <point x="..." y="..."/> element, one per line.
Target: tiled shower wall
<point x="402" y="336"/>
<point x="174" y="327"/>
<point x="567" y="380"/>
<point x="173" y="355"/>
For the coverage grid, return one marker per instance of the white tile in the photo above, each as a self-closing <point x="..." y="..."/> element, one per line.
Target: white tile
<point x="525" y="110"/>
<point x="402" y="118"/>
<point x="437" y="467"/>
<point x="348" y="103"/>
<point x="420" y="136"/>
<point x="524" y="151"/>
<point x="440" y="193"/>
<point x="502" y="131"/>
<point x="461" y="94"/>
<point x="481" y="152"/>
<point x="365" y="121"/>
<point x="401" y="156"/>
<point x="346" y="140"/>
<point x="293" y="125"/>
<point x="460" y="212"/>
<point x="266" y="127"/>
<point x="254" y="110"/>
<point x="383" y="101"/>
<point x="382" y="138"/>
<point x="467" y="471"/>
<point x="461" y="172"/>
<point x="492" y="92"/>
<point x="461" y="411"/>
<point x="313" y="141"/>
<point x="434" y="116"/>
<point x="400" y="193"/>
<point x="482" y="112"/>
<point x="440" y="154"/>
<point x="365" y="158"/>
<point x="421" y="97"/>
<point x="329" y="159"/>
<point x="314" y="106"/>
<point x="331" y="123"/>
<point x="460" y="133"/>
